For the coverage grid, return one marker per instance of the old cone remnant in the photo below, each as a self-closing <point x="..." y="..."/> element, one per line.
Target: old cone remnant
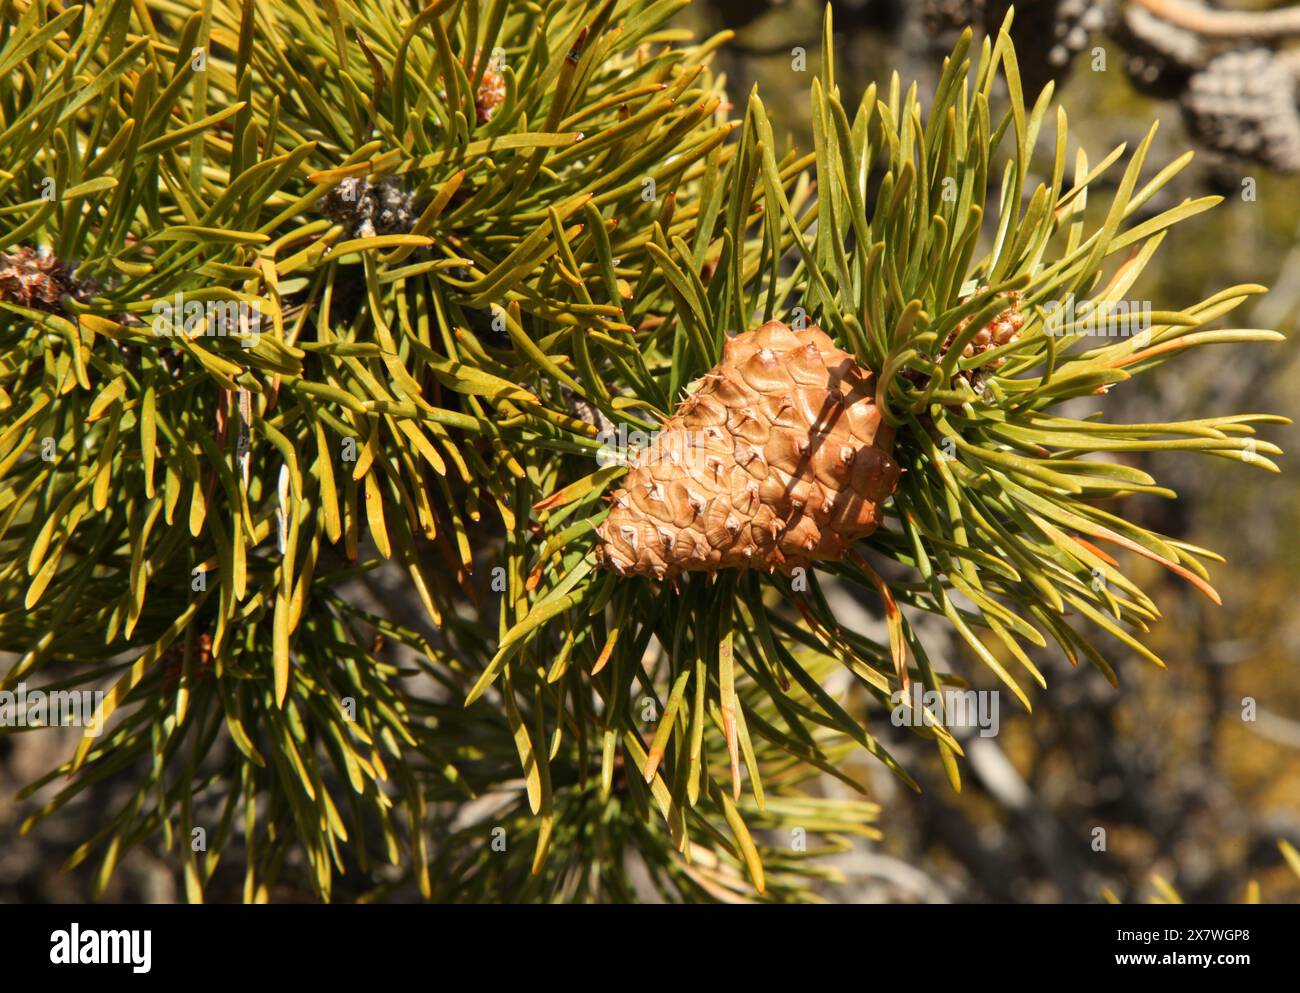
<point x="777" y="459"/>
<point x="491" y="93"/>
<point x="33" y="279"/>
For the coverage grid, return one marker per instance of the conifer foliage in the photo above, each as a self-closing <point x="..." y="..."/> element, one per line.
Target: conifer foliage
<point x="302" y="293"/>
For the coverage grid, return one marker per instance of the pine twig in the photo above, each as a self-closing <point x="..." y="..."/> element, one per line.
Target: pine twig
<point x="1256" y="24"/>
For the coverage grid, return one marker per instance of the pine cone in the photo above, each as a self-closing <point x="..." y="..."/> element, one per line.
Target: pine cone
<point x="943" y="20"/>
<point x="33" y="279"/>
<point x="778" y="458"/>
<point x="1048" y="35"/>
<point x="1243" y="104"/>
<point x="1159" y="57"/>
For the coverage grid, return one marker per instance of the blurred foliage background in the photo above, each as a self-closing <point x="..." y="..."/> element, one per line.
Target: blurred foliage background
<point x="1170" y="771"/>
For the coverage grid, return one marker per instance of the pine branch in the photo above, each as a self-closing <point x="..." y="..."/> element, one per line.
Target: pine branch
<point x="1260" y="25"/>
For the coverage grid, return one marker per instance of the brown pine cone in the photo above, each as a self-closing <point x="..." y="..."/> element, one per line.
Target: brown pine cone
<point x="777" y="459"/>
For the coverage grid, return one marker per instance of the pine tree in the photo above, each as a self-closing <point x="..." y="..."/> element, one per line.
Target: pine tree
<point x="297" y="294"/>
